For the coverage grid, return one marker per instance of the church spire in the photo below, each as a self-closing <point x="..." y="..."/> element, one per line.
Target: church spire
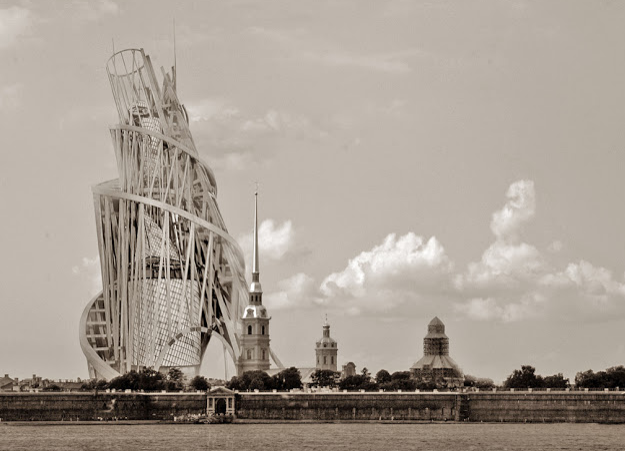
<point x="255" y="287"/>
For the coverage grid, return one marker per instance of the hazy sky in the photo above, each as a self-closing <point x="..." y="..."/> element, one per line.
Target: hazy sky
<point x="462" y="159"/>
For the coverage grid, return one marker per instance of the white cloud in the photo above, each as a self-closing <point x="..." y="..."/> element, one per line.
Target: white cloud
<point x="15" y="21"/>
<point x="514" y="280"/>
<point x="236" y="139"/>
<point x="274" y="240"/>
<point x="519" y="209"/>
<point x="296" y="291"/>
<point x="89" y="270"/>
<point x="397" y="271"/>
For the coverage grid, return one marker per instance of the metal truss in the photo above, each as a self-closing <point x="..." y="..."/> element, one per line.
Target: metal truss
<point x="173" y="277"/>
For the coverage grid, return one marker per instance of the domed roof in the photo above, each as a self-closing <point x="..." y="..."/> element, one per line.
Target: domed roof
<point x="255" y="311"/>
<point x="326" y="340"/>
<point x="436" y="322"/>
<point x="436" y="329"/>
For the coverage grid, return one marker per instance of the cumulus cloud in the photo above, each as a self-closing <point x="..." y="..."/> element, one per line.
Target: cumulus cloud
<point x="515" y="281"/>
<point x="399" y="270"/>
<point x="89" y="270"/>
<point x="520" y="208"/>
<point x="15" y="21"/>
<point x="274" y="240"/>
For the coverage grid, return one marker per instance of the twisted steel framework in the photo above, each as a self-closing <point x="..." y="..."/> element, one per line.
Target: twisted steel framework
<point x="172" y="275"/>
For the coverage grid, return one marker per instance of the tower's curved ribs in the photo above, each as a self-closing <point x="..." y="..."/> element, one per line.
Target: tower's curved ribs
<point x="172" y="275"/>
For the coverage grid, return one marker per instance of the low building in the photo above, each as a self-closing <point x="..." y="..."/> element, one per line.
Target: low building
<point x="436" y="366"/>
<point x="8" y="384"/>
<point x="220" y="401"/>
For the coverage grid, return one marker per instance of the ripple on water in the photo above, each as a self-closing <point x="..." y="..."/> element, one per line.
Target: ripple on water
<point x="329" y="437"/>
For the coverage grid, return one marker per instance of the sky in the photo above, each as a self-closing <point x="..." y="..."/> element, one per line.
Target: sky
<point x="414" y="159"/>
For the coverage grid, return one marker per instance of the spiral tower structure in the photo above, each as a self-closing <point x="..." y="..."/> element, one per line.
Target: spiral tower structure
<point x="173" y="278"/>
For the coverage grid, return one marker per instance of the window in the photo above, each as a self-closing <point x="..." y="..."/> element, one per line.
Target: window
<point x="264" y="354"/>
<point x="263" y="330"/>
<point x="325" y="359"/>
<point x="229" y="403"/>
<point x="332" y="360"/>
<point x="317" y="360"/>
<point x="325" y="345"/>
<point x="249" y="354"/>
<point x="249" y="330"/>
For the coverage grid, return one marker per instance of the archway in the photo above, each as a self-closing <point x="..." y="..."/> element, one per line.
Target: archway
<point x="220" y="406"/>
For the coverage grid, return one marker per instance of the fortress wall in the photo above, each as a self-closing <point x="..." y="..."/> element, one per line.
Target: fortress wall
<point x="578" y="407"/>
<point x="88" y="406"/>
<point x="347" y="406"/>
<point x="601" y="407"/>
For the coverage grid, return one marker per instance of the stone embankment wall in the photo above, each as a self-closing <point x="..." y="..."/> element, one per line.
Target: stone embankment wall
<point x="91" y="406"/>
<point x="571" y="407"/>
<point x="348" y="406"/>
<point x="600" y="407"/>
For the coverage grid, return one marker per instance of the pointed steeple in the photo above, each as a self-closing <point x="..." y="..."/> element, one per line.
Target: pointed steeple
<point x="255" y="287"/>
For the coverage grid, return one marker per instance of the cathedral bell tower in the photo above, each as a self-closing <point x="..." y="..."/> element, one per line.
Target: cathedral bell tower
<point x="326" y="350"/>
<point x="255" y="320"/>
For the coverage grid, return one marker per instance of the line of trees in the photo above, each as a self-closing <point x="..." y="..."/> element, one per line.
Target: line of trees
<point x="286" y="379"/>
<point x="526" y="377"/>
<point x="149" y="379"/>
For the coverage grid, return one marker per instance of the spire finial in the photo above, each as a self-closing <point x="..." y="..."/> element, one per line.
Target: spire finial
<point x="255" y="266"/>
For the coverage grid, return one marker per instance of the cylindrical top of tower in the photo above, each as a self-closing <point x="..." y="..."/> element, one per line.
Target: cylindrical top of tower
<point x="436" y="326"/>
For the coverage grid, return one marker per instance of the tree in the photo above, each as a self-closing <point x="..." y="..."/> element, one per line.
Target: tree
<point x="524" y="378"/>
<point x="556" y="381"/>
<point x="611" y="378"/>
<point x="382" y="377"/>
<point x="251" y="380"/>
<point x="151" y="380"/>
<point x="95" y="384"/>
<point x="616" y="376"/>
<point x="482" y="383"/>
<point x="352" y="382"/>
<point x="128" y="381"/>
<point x="324" y="378"/>
<point x="358" y="382"/>
<point x="399" y="380"/>
<point x="175" y="379"/>
<point x="236" y="383"/>
<point x="200" y="383"/>
<point x="288" y="379"/>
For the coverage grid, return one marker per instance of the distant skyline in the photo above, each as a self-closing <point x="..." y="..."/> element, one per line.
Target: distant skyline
<point x="414" y="159"/>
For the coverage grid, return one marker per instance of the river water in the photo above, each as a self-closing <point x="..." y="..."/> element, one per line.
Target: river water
<point x="327" y="437"/>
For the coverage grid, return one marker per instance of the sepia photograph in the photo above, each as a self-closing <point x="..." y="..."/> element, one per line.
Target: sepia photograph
<point x="316" y="224"/>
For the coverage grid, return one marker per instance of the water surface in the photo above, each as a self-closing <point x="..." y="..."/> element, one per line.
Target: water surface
<point x="328" y="437"/>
